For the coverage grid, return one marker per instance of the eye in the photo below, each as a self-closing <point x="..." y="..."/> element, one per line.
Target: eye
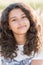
<point x="24" y="17"/>
<point x="13" y="20"/>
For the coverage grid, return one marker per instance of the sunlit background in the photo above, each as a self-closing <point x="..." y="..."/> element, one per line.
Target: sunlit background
<point x="37" y="5"/>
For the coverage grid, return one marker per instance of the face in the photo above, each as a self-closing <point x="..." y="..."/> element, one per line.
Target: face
<point x="18" y="22"/>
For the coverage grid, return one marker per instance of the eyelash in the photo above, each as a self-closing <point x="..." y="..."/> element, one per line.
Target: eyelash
<point x="22" y="17"/>
<point x="14" y="20"/>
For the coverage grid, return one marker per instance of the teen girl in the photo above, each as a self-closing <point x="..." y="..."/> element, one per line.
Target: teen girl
<point x="19" y="37"/>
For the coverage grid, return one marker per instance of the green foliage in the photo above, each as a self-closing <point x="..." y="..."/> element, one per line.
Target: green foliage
<point x="2" y="7"/>
<point x="36" y="5"/>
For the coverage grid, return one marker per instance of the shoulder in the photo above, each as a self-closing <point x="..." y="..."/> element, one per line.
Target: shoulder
<point x="1" y="58"/>
<point x="3" y="61"/>
<point x="38" y="56"/>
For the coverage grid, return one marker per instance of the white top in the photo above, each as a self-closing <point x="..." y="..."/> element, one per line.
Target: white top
<point x="21" y="56"/>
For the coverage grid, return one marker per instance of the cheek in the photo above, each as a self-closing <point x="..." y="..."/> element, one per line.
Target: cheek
<point x="13" y="26"/>
<point x="27" y="22"/>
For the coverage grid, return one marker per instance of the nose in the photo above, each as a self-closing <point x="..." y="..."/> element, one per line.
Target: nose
<point x="20" y="22"/>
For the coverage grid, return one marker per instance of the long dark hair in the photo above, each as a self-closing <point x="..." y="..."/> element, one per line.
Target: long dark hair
<point x="8" y="42"/>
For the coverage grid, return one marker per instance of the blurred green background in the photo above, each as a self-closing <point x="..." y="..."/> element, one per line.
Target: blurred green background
<point x="34" y="3"/>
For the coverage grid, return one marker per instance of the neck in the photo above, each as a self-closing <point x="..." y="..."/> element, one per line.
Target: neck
<point x="20" y="39"/>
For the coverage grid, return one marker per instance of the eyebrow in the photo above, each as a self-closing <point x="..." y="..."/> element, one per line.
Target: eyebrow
<point x="15" y="17"/>
<point x="12" y="17"/>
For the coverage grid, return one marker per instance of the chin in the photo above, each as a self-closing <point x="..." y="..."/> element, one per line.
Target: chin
<point x="21" y="33"/>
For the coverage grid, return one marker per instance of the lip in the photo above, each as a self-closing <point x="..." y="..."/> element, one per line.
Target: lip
<point x="22" y="26"/>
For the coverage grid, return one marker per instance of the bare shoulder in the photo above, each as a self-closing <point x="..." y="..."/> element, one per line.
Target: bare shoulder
<point x="37" y="62"/>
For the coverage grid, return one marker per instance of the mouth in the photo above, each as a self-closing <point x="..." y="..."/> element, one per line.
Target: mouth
<point x="22" y="26"/>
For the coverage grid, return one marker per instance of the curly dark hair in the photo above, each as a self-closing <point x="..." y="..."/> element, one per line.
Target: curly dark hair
<point x="8" y="42"/>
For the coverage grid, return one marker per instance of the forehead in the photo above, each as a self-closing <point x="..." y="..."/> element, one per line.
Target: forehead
<point x="16" y="12"/>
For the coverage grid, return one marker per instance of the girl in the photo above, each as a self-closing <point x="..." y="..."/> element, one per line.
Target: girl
<point x="19" y="37"/>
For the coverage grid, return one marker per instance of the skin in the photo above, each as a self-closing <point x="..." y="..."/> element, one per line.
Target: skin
<point x="22" y="31"/>
<point x="19" y="24"/>
<point x="17" y="18"/>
